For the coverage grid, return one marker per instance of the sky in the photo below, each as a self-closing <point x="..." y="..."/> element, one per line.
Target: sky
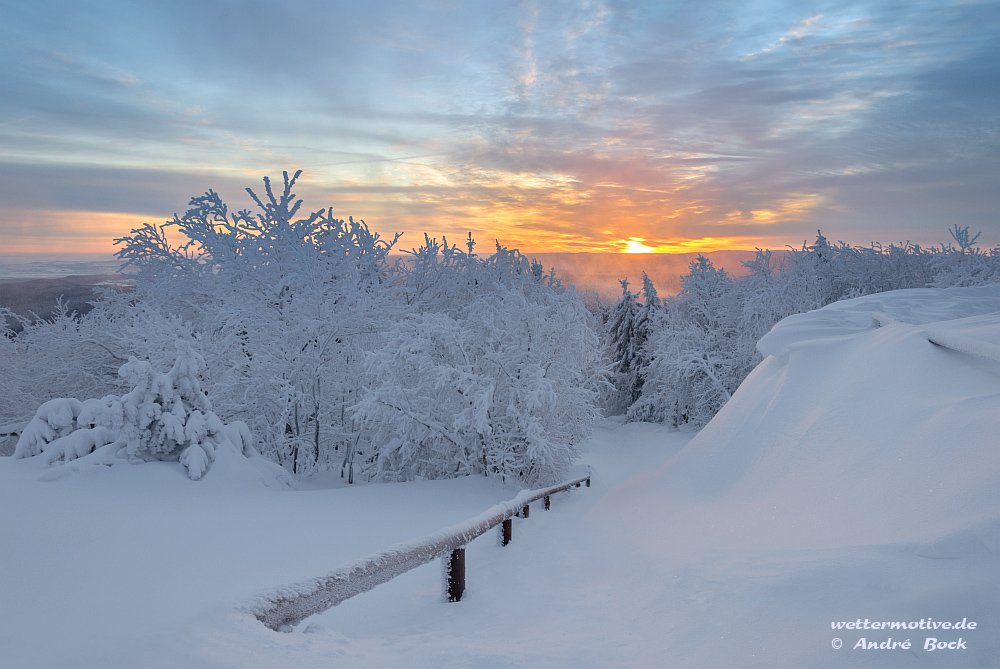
<point x="549" y="126"/>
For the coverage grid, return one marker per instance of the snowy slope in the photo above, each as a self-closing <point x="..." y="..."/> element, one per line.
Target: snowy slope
<point x="847" y="434"/>
<point x="855" y="474"/>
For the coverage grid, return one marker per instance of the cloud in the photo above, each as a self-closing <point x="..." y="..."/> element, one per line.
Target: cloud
<point x="558" y="124"/>
<point x="150" y="192"/>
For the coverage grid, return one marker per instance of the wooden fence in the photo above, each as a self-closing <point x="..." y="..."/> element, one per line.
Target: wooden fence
<point x="284" y="607"/>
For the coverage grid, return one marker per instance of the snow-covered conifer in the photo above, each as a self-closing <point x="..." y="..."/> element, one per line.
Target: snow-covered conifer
<point x="621" y="328"/>
<point x="165" y="416"/>
<point x="689" y="373"/>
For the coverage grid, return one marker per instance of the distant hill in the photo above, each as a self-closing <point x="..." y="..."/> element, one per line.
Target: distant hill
<point x="37" y="297"/>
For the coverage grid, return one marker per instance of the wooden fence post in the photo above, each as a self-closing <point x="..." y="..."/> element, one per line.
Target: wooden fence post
<point x="524" y="511"/>
<point x="456" y="574"/>
<point x="505" y="532"/>
<point x="546" y="502"/>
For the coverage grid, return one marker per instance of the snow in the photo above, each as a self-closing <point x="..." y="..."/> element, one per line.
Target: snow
<point x="101" y="564"/>
<point x="155" y="420"/>
<point x="284" y="607"/>
<point x="854" y="474"/>
<point x="54" y="419"/>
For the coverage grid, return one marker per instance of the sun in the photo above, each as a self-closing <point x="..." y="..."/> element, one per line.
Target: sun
<point x="635" y="245"/>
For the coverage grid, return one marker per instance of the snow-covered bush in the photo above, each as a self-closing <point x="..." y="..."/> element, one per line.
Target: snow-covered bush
<point x="496" y="372"/>
<point x="64" y="355"/>
<point x="967" y="265"/>
<point x="15" y="404"/>
<point x="283" y="309"/>
<point x="703" y="343"/>
<point x="163" y="417"/>
<point x="295" y="324"/>
<point x="501" y="389"/>
<point x="442" y="277"/>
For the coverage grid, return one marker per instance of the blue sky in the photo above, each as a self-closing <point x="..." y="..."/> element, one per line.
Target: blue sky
<point x="548" y="125"/>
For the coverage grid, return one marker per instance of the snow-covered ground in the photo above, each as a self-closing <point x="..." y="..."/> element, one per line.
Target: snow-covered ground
<point x="854" y="475"/>
<point x="135" y="565"/>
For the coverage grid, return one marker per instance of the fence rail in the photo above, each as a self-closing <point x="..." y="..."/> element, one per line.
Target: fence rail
<point x="281" y="608"/>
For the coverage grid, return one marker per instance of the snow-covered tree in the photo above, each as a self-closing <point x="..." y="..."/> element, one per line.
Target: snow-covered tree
<point x="501" y="389"/>
<point x="59" y="356"/>
<point x="689" y="373"/>
<point x="623" y="351"/>
<point x="645" y="324"/>
<point x="288" y="314"/>
<point x="282" y="308"/>
<point x="629" y="326"/>
<point x="165" y="416"/>
<point x="704" y="344"/>
<point x="497" y="372"/>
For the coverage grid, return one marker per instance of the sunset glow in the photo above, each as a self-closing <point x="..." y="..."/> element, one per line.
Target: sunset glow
<point x="636" y="245"/>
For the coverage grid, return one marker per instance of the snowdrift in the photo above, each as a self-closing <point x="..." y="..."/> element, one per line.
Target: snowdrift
<point x="856" y="472"/>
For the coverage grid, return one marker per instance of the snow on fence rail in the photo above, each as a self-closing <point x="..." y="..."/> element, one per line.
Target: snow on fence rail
<point x="281" y="608"/>
<point x="963" y="344"/>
